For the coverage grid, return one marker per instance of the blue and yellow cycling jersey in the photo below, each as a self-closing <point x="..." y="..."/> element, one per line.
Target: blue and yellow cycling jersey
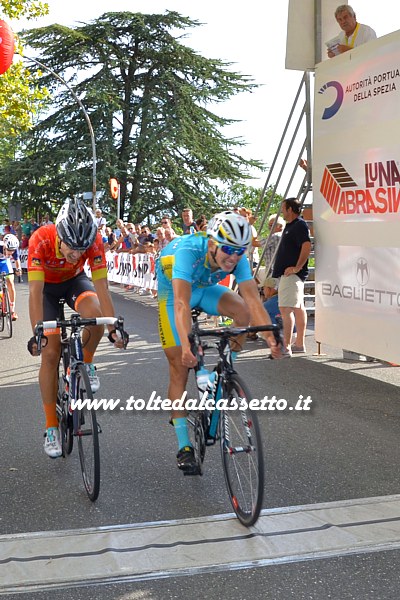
<point x="185" y="258"/>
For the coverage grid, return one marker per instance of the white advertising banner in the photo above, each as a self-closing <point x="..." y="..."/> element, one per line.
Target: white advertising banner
<point x="132" y="269"/>
<point x="129" y="269"/>
<point x="356" y="187"/>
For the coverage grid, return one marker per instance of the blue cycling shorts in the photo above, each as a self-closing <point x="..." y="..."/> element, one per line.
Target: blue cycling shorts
<point x="206" y="299"/>
<point x="6" y="266"/>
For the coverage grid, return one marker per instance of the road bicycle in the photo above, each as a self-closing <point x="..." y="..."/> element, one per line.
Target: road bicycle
<point x="229" y="419"/>
<point x="74" y="389"/>
<point x="6" y="323"/>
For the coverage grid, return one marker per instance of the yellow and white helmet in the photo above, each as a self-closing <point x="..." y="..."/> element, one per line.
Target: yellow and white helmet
<point x="230" y="228"/>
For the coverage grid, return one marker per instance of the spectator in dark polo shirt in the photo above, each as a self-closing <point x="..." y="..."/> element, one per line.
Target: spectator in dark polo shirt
<point x="291" y="265"/>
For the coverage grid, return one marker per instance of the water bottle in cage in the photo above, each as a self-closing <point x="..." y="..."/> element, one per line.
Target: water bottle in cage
<point x="202" y="376"/>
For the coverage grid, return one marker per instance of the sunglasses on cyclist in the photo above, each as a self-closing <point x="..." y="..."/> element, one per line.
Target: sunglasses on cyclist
<point x="231" y="249"/>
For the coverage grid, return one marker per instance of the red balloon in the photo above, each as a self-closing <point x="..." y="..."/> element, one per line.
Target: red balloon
<point x="7" y="46"/>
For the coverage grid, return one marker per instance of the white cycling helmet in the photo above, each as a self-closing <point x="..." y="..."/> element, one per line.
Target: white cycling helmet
<point x="75" y="225"/>
<point x="230" y="228"/>
<point x="10" y="242"/>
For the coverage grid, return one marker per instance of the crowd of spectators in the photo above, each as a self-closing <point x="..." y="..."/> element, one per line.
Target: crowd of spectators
<point x="133" y="238"/>
<point x="23" y="230"/>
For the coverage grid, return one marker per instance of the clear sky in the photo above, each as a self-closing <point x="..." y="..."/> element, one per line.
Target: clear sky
<point x="252" y="35"/>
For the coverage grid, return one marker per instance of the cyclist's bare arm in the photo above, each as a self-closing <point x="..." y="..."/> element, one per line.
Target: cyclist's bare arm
<point x="35" y="302"/>
<point x="106" y="305"/>
<point x="183" y="318"/>
<point x="259" y="316"/>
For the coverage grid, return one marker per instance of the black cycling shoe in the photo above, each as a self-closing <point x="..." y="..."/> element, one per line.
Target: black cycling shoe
<point x="186" y="460"/>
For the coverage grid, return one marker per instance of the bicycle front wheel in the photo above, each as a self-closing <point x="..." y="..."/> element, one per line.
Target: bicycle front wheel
<point x="7" y="316"/>
<point x="87" y="433"/>
<point x="2" y="315"/>
<point x="242" y="455"/>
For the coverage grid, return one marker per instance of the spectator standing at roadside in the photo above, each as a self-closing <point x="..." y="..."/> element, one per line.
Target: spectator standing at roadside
<point x="34" y="225"/>
<point x="8" y="227"/>
<point x="17" y="229"/>
<point x="276" y="225"/>
<point x="26" y="227"/>
<point x="99" y="219"/>
<point x="189" y="225"/>
<point x="247" y="213"/>
<point x="160" y="237"/>
<point x="145" y="237"/>
<point x="291" y="265"/>
<point x="201" y="223"/>
<point x="166" y="222"/>
<point x="169" y="234"/>
<point x="24" y="241"/>
<point x="46" y="220"/>
<point x="353" y="34"/>
<point x="111" y="239"/>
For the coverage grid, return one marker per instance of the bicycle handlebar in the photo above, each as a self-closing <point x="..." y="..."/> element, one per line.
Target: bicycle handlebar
<point x="79" y="322"/>
<point x="76" y="321"/>
<point x="227" y="332"/>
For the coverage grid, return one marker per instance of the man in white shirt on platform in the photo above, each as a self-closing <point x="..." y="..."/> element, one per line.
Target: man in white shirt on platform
<point x="353" y="34"/>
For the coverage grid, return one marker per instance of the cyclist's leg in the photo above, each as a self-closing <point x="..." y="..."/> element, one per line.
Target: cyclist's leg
<point x="11" y="287"/>
<point x="50" y="358"/>
<point x="48" y="382"/>
<point x="83" y="298"/>
<point x="223" y="301"/>
<point x="178" y="375"/>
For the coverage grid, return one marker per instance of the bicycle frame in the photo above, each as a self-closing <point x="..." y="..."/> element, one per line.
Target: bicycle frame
<point x="79" y="421"/>
<point x="236" y="428"/>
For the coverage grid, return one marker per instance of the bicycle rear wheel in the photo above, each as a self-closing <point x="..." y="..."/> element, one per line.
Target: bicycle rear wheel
<point x="87" y="433"/>
<point x="242" y="455"/>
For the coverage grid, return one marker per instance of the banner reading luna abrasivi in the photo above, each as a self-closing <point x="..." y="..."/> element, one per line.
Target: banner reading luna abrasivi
<point x="356" y="186"/>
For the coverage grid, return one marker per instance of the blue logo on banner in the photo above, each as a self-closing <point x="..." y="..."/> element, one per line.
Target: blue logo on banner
<point x="330" y="111"/>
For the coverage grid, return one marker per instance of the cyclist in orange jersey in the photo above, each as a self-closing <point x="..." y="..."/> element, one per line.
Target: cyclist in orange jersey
<point x="56" y="258"/>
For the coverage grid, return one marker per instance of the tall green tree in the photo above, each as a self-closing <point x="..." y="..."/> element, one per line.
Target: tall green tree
<point x="19" y="95"/>
<point x="149" y="97"/>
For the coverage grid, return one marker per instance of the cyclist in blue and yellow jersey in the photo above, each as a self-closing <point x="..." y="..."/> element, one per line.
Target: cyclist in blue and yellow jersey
<point x="56" y="257"/>
<point x="188" y="270"/>
<point x="9" y="251"/>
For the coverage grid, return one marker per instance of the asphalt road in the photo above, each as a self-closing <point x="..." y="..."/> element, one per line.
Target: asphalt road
<point x="345" y="447"/>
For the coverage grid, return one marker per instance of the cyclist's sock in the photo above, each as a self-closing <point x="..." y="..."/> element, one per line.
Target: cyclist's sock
<point x="234" y="355"/>
<point x="182" y="433"/>
<point x="12" y="306"/>
<point x="51" y="415"/>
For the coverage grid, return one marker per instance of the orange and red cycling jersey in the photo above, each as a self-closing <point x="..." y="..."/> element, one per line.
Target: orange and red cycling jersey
<point x="46" y="263"/>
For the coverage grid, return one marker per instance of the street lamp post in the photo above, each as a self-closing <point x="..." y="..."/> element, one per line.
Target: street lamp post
<point x="57" y="76"/>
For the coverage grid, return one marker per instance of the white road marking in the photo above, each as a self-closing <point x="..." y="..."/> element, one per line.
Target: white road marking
<point x="57" y="559"/>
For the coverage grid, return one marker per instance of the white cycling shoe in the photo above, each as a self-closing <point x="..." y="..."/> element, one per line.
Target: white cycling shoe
<point x="52" y="442"/>
<point x="93" y="378"/>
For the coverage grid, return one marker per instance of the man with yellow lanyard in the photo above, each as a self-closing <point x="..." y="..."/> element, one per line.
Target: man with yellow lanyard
<point x="353" y="34"/>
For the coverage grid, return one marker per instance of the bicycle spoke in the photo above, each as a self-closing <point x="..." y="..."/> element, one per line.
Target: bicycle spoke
<point x="7" y="316"/>
<point x="242" y="455"/>
<point x="87" y="434"/>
